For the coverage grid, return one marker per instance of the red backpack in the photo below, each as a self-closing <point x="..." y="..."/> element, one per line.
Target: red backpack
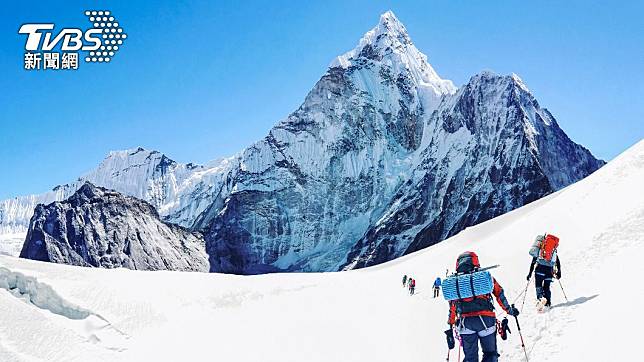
<point x="545" y="249"/>
<point x="549" y="247"/>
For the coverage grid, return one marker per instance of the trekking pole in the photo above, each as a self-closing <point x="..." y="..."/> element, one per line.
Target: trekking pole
<point x="525" y="293"/>
<point x="447" y="359"/>
<point x="562" y="290"/>
<point x="457" y="336"/>
<point x="520" y="335"/>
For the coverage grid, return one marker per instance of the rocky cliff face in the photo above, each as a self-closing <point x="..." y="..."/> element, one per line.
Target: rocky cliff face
<point x="96" y="227"/>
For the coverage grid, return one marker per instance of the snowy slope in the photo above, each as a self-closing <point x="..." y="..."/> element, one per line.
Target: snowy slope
<point x="361" y="315"/>
<point x="11" y="243"/>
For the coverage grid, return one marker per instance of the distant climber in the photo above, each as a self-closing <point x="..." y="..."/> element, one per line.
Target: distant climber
<point x="472" y="314"/>
<point x="437" y="286"/>
<point x="412" y="287"/>
<point x="404" y="280"/>
<point x="544" y="255"/>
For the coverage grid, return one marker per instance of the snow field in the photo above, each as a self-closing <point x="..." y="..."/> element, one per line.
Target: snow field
<point x="11" y="243"/>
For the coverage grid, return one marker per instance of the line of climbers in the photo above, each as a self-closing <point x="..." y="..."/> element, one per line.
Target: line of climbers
<point x="471" y="311"/>
<point x="470" y="291"/>
<point x="410" y="283"/>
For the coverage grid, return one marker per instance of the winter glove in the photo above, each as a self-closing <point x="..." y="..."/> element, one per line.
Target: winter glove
<point x="450" y="338"/>
<point x="504" y="329"/>
<point x="558" y="274"/>
<point x="513" y="311"/>
<point x="528" y="277"/>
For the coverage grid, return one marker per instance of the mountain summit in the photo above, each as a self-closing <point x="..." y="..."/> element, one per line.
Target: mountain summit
<point x="389" y="44"/>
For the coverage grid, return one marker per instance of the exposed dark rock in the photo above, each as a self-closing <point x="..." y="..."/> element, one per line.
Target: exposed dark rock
<point x="96" y="227"/>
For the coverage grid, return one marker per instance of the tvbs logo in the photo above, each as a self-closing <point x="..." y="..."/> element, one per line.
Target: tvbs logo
<point x="72" y="38"/>
<point x="100" y="42"/>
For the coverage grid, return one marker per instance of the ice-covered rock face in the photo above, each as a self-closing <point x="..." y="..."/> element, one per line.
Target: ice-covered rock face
<point x="305" y="193"/>
<point x="102" y="228"/>
<point x="490" y="149"/>
<point x="180" y="192"/>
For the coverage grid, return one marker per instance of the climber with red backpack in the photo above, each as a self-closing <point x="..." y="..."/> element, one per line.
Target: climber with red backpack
<point x="544" y="256"/>
<point x="471" y="310"/>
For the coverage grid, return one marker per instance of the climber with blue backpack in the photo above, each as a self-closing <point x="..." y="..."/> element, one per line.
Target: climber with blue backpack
<point x="471" y="310"/>
<point x="544" y="256"/>
<point x="437" y="286"/>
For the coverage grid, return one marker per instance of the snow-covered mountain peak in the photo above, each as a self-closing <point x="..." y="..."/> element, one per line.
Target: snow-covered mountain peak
<point x="389" y="44"/>
<point x="389" y="35"/>
<point x="519" y="82"/>
<point x="493" y="86"/>
<point x="489" y="79"/>
<point x="132" y="156"/>
<point x="389" y="26"/>
<point x="128" y="152"/>
<point x="495" y="95"/>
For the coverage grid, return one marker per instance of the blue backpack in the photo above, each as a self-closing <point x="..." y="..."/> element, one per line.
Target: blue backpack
<point x="467" y="285"/>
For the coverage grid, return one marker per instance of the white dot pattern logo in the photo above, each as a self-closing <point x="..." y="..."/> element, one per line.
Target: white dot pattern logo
<point x="111" y="32"/>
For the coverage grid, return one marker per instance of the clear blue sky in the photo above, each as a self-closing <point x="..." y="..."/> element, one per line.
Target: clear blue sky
<point x="202" y="80"/>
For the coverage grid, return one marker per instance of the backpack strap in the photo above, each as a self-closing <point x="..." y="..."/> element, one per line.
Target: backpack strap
<point x="472" y="284"/>
<point x="483" y="322"/>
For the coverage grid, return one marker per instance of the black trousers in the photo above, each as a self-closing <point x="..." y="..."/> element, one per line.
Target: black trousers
<point x="542" y="284"/>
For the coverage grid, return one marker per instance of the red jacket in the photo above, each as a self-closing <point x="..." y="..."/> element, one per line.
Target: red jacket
<point x="500" y="298"/>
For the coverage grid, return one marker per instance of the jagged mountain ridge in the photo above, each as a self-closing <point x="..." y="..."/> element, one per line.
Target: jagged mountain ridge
<point x="178" y="191"/>
<point x="344" y="181"/>
<point x="102" y="228"/>
<point x="491" y="149"/>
